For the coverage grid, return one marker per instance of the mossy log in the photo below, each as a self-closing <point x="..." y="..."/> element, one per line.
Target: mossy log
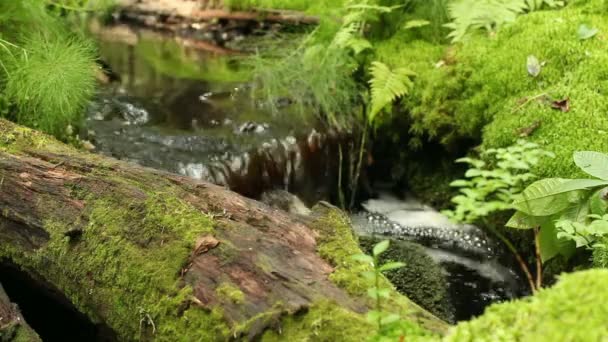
<point x="13" y="326"/>
<point x="157" y="256"/>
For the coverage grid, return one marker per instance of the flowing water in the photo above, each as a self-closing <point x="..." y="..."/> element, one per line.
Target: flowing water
<point x="189" y="112"/>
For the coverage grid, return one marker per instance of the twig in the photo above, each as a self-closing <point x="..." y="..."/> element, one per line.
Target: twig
<point x="528" y="101"/>
<point x="539" y="262"/>
<point x="522" y="264"/>
<point x="340" y="192"/>
<point x="355" y="182"/>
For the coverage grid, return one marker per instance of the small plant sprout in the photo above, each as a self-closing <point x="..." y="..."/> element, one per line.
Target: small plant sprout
<point x="390" y="325"/>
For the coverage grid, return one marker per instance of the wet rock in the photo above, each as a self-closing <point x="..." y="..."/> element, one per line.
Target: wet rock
<point x="252" y="127"/>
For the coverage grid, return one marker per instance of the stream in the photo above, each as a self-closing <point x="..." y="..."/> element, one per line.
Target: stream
<point x="189" y="112"/>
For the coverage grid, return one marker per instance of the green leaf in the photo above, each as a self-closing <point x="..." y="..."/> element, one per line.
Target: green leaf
<point x="585" y="32"/>
<point x="386" y="86"/>
<point x="521" y="220"/>
<point x="539" y="199"/>
<point x="598" y="205"/>
<point x="381" y="247"/>
<point x="391" y="266"/>
<point x="593" y="163"/>
<point x="550" y="245"/>
<point x="533" y="66"/>
<point x="459" y="183"/>
<point x="363" y="258"/>
<point x="415" y="23"/>
<point x="549" y="196"/>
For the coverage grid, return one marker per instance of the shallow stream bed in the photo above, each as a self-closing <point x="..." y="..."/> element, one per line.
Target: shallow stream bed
<point x="186" y="111"/>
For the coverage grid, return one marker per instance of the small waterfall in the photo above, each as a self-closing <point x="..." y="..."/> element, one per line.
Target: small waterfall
<point x="470" y="259"/>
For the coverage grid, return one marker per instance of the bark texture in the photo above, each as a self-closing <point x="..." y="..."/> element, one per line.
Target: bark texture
<point x="154" y="255"/>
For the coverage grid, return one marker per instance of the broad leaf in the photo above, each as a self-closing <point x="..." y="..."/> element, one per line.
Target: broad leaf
<point x="381" y="247"/>
<point x="585" y="32"/>
<point x="593" y="163"/>
<point x="550" y="245"/>
<point x="521" y="220"/>
<point x="550" y="196"/>
<point x="539" y="199"/>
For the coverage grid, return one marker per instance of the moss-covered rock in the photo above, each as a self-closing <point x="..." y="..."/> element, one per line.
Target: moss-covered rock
<point x="481" y="88"/>
<point x="421" y="279"/>
<point x="572" y="310"/>
<point x="338" y="244"/>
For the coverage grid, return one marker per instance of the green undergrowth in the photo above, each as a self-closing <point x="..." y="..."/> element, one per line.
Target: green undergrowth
<point x="481" y="89"/>
<point x="337" y="244"/>
<point x="572" y="310"/>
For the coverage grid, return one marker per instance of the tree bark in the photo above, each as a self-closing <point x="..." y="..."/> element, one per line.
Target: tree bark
<point x="154" y="255"/>
<point x="12" y="324"/>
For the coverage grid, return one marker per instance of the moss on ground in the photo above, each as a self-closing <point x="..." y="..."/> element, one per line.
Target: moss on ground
<point x="573" y="310"/>
<point x="483" y="91"/>
<point x="421" y="279"/>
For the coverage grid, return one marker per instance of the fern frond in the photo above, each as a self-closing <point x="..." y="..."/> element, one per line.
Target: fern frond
<point x="386" y="86"/>
<point x="490" y="15"/>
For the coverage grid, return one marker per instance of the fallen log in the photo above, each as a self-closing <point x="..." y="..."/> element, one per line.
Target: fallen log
<point x="13" y="326"/>
<point x="197" y="11"/>
<point x="157" y="256"/>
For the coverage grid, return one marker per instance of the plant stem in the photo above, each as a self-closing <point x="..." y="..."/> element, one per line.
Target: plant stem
<point x="539" y="261"/>
<point x="522" y="264"/>
<point x="378" y="302"/>
<point x="340" y="192"/>
<point x="355" y="181"/>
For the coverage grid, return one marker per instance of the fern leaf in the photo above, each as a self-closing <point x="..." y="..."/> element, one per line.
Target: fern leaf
<point x="386" y="86"/>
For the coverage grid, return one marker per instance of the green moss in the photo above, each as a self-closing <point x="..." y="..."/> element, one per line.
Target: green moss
<point x="421" y="279"/>
<point x="572" y="310"/>
<point x="484" y="82"/>
<point x="130" y="255"/>
<point x="337" y="244"/>
<point x="16" y="332"/>
<point x="324" y="321"/>
<point x="231" y="293"/>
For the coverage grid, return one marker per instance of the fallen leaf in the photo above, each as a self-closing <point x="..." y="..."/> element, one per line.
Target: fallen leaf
<point x="527" y="131"/>
<point x="585" y="32"/>
<point x="563" y="105"/>
<point x="204" y="244"/>
<point x="533" y="66"/>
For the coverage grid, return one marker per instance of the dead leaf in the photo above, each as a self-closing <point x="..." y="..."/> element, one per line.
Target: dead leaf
<point x="533" y="66"/>
<point x="204" y="244"/>
<point x="563" y="105"/>
<point x="527" y="131"/>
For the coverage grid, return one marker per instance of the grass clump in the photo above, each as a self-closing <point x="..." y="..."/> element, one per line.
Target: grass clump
<point x="52" y="82"/>
<point x="48" y="72"/>
<point x="572" y="310"/>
